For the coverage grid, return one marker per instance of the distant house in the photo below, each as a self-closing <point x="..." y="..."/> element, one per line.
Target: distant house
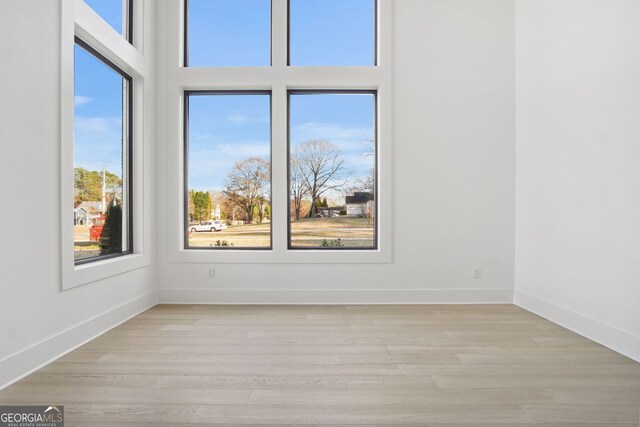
<point x="86" y="212"/>
<point x="360" y="204"/>
<point x="215" y="212"/>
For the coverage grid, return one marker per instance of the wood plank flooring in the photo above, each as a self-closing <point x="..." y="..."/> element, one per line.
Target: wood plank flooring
<point x="338" y="365"/>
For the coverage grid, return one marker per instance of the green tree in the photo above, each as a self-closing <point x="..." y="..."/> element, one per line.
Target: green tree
<point x="201" y="205"/>
<point x="88" y="186"/>
<point x="190" y="209"/>
<point x="324" y="203"/>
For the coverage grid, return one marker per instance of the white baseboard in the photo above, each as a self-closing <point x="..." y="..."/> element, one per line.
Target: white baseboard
<point x="18" y="365"/>
<point x="335" y="296"/>
<point x="616" y="339"/>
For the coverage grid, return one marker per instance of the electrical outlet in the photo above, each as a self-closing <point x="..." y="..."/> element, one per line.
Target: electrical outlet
<point x="477" y="272"/>
<point x="211" y="274"/>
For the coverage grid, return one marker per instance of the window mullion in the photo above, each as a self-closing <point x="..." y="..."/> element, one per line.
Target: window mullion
<point x="279" y="34"/>
<point x="279" y="179"/>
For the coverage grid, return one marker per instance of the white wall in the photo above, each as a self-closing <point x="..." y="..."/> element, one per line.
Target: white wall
<point x="39" y="321"/>
<point x="578" y="158"/>
<point x="578" y="145"/>
<point x="453" y="184"/>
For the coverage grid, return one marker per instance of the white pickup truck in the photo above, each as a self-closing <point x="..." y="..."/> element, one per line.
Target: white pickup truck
<point x="208" y="226"/>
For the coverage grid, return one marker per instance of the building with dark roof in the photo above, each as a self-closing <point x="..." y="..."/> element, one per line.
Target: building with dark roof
<point x="360" y="204"/>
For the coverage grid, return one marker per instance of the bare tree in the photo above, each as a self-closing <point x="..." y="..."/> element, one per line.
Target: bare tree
<point x="322" y="169"/>
<point x="370" y="147"/>
<point x="367" y="183"/>
<point x="247" y="184"/>
<point x="297" y="183"/>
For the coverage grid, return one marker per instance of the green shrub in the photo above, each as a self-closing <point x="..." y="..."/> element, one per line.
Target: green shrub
<point x="222" y="243"/>
<point x="332" y="243"/>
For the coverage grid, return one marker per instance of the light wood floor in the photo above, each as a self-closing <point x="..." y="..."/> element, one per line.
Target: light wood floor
<point x="338" y="365"/>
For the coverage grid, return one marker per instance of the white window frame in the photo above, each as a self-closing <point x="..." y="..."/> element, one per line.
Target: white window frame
<point x="78" y="19"/>
<point x="278" y="79"/>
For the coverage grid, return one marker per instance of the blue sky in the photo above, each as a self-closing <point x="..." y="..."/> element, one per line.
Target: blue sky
<point x="109" y="10"/>
<point x="323" y="32"/>
<point x="345" y="120"/>
<point x="229" y="33"/>
<point x="97" y="114"/>
<point x="332" y="32"/>
<point x="224" y="129"/>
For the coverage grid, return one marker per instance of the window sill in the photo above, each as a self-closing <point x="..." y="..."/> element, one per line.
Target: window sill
<point x="78" y="275"/>
<point x="307" y="256"/>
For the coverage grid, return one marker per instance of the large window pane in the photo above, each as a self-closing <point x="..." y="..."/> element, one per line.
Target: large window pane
<point x="228" y="170"/>
<point x="228" y="33"/>
<point x="100" y="150"/>
<point x="115" y="12"/>
<point x="332" y="170"/>
<point x="332" y="32"/>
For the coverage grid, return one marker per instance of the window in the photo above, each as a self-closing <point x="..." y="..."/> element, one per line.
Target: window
<point x="104" y="215"/>
<point x="101" y="157"/>
<point x="332" y="170"/>
<point x="332" y="32"/>
<point x="228" y="170"/>
<point x="308" y="101"/>
<point x="117" y="13"/>
<point x="227" y="33"/>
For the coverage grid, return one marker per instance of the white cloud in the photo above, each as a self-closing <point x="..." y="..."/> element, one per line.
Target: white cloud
<point x="346" y="138"/>
<point x="196" y="136"/>
<point x="210" y="164"/>
<point x="237" y="118"/>
<point x="97" y="142"/>
<point x="81" y="100"/>
<point x="240" y="151"/>
<point x="93" y="124"/>
<point x="359" y="161"/>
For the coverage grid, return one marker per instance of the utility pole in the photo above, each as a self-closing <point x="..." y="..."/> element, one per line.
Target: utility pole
<point x="104" y="190"/>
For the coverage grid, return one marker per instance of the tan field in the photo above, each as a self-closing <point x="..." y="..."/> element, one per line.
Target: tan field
<point x="306" y="233"/>
<point x="83" y="247"/>
<point x="352" y="232"/>
<point x="250" y="235"/>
